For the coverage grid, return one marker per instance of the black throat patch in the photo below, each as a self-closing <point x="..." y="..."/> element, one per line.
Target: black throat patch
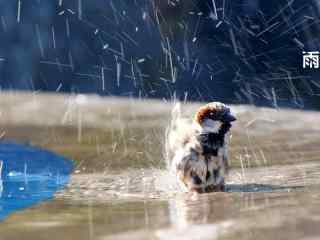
<point x="211" y="142"/>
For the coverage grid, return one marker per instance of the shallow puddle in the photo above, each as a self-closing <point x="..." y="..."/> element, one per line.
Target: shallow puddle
<point x="120" y="188"/>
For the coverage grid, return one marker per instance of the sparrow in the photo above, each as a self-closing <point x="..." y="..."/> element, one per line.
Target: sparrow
<point x="198" y="149"/>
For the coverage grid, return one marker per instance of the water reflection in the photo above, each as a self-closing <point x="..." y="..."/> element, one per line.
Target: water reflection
<point x="254" y="187"/>
<point x="198" y="209"/>
<point x="220" y="215"/>
<point x="191" y="209"/>
<point x="28" y="176"/>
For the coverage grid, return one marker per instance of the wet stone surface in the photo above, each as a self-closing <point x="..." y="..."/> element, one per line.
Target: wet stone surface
<point x="120" y="188"/>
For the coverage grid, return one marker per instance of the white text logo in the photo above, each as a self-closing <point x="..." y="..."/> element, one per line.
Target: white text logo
<point x="311" y="59"/>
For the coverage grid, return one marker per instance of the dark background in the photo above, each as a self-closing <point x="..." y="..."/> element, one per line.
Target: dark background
<point x="236" y="51"/>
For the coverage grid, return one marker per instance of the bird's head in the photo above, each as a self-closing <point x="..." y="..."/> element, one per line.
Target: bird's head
<point x="211" y="117"/>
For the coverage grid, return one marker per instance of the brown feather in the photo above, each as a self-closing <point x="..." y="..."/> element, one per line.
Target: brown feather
<point x="204" y="111"/>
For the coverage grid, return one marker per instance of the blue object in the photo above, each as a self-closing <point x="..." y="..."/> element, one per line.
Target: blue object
<point x="29" y="175"/>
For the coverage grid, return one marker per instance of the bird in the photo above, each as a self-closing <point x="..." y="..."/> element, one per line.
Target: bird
<point x="197" y="149"/>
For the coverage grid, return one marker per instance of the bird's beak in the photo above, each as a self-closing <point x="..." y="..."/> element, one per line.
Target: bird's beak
<point x="228" y="117"/>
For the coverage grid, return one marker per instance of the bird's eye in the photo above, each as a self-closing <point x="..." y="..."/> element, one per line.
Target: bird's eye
<point x="212" y="115"/>
<point x="196" y="180"/>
